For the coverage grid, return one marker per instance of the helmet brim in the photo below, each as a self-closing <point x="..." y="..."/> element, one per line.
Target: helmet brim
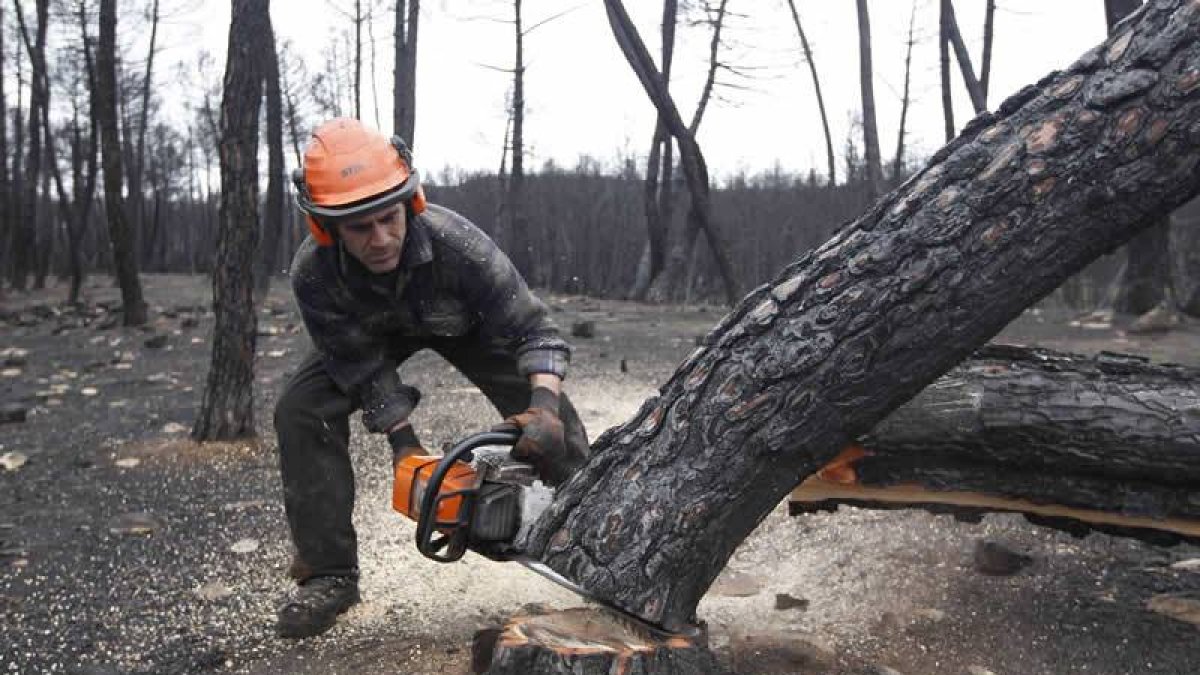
<point x="332" y="214"/>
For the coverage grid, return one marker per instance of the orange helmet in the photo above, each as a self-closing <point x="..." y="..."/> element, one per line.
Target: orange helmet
<point x="349" y="170"/>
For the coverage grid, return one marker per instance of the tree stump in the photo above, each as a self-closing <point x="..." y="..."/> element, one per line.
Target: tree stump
<point x="582" y="641"/>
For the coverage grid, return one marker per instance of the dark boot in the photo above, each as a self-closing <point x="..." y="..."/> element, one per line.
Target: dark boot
<point x="315" y="606"/>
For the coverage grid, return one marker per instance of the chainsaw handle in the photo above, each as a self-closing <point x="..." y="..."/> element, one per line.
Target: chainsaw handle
<point x="455" y="542"/>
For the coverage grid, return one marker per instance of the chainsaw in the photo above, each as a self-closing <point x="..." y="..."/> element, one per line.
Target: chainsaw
<point x="478" y="497"/>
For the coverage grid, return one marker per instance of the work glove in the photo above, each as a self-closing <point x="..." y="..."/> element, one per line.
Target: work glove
<point x="542" y="441"/>
<point x="404" y="443"/>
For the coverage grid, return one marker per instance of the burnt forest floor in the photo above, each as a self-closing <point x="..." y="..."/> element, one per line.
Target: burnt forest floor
<point x="125" y="548"/>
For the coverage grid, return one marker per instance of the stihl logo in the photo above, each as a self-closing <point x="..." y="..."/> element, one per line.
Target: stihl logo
<point x="352" y="169"/>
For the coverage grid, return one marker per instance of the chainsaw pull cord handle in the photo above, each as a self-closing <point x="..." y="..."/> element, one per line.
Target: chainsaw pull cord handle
<point x="429" y="501"/>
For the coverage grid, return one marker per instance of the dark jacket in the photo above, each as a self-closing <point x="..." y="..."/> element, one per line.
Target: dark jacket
<point x="452" y="281"/>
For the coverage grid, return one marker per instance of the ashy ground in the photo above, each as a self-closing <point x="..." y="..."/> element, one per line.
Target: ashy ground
<point x="124" y="548"/>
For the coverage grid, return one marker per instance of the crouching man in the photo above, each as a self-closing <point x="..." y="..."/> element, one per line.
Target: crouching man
<point x="382" y="276"/>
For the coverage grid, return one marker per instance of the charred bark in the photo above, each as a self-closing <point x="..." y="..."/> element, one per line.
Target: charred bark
<point x="227" y="409"/>
<point x="125" y="263"/>
<point x="1106" y="441"/>
<point x="1146" y="274"/>
<point x="1065" y="171"/>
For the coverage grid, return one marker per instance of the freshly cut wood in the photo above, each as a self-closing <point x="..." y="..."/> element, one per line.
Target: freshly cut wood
<point x="588" y="640"/>
<point x="1062" y="173"/>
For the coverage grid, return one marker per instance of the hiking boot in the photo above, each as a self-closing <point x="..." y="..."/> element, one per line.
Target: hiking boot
<point x="315" y="606"/>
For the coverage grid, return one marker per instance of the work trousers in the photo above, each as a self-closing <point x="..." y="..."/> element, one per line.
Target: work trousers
<point x="312" y="422"/>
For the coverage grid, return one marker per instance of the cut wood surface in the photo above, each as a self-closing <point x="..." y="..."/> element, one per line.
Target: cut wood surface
<point x="588" y="640"/>
<point x="1063" y="172"/>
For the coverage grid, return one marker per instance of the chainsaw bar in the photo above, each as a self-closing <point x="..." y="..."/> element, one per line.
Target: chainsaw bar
<point x="652" y="629"/>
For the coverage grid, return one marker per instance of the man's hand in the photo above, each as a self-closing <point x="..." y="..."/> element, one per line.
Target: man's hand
<point x="542" y="442"/>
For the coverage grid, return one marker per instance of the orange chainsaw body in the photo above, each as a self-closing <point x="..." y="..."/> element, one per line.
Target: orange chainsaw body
<point x="412" y="477"/>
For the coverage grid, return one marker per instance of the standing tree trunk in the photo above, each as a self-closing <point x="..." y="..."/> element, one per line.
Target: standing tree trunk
<point x="137" y="164"/>
<point x="898" y="163"/>
<point x="944" y="70"/>
<point x="8" y="224"/>
<point x="514" y="210"/>
<point x="812" y="68"/>
<point x="695" y="171"/>
<point x="974" y="90"/>
<point x="1146" y="274"/>
<point x="227" y="410"/>
<point x="656" y="193"/>
<point x="866" y="76"/>
<point x="675" y="281"/>
<point x="985" y="64"/>
<point x="358" y="21"/>
<point x="404" y="91"/>
<point x="39" y="100"/>
<point x="273" y="216"/>
<point x="125" y="262"/>
<point x="848" y="332"/>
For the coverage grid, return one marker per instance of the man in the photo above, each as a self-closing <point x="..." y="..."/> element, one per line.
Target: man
<point x="382" y="276"/>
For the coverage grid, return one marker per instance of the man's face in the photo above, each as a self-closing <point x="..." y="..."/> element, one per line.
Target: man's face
<point x="376" y="238"/>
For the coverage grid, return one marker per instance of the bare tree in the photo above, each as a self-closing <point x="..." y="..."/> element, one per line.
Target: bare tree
<point x="83" y="132"/>
<point x="125" y="262"/>
<point x="227" y="409"/>
<point x="898" y="163"/>
<point x="867" y="86"/>
<point x="944" y="69"/>
<point x="974" y="90"/>
<point x="514" y="201"/>
<point x="657" y="194"/>
<point x="812" y="68"/>
<point x="137" y="163"/>
<point x="273" y="216"/>
<point x="985" y="67"/>
<point x="39" y="100"/>
<point x="8" y="224"/>
<point x="695" y="170"/>
<point x="404" y="89"/>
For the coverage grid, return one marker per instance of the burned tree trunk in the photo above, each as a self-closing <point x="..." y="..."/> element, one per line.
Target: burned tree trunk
<point x="812" y="69"/>
<point x="404" y="74"/>
<point x="227" y="410"/>
<point x="273" y="208"/>
<point x="1065" y="171"/>
<point x="944" y="70"/>
<point x="695" y="171"/>
<point x="125" y="262"/>
<point x="866" y="77"/>
<point x="1108" y="442"/>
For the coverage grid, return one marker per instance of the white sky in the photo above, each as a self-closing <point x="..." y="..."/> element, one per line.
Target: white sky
<point x="582" y="98"/>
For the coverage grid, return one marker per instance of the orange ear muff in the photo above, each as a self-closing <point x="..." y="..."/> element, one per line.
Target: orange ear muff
<point x="319" y="233"/>
<point x="418" y="201"/>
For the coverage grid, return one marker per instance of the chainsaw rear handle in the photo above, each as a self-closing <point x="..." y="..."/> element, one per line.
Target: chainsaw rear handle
<point x="456" y="533"/>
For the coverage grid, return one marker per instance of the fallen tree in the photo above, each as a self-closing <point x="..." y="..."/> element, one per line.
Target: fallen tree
<point x="1110" y="442"/>
<point x="1062" y="173"/>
